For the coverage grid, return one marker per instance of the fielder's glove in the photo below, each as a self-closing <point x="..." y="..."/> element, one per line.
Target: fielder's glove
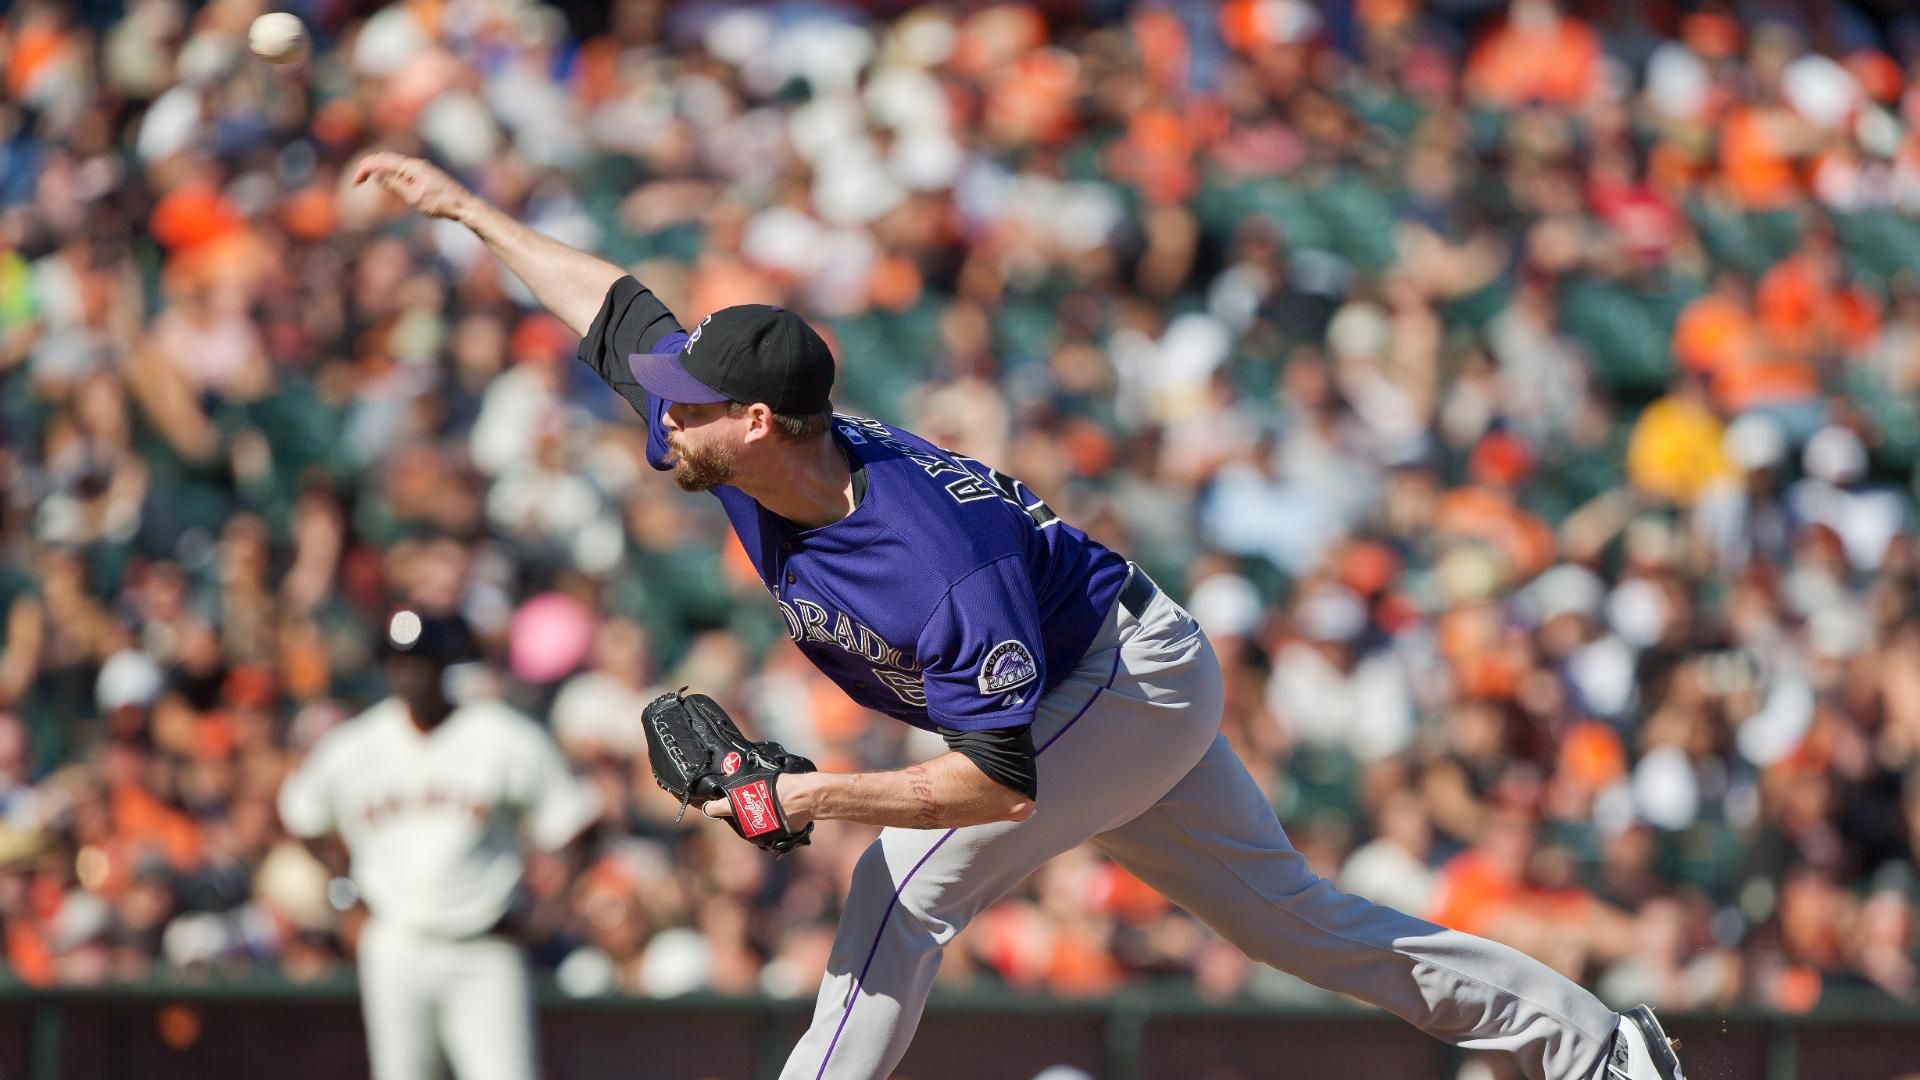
<point x="698" y="755"/>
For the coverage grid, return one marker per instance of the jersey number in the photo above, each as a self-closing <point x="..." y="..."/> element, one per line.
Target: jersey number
<point x="1009" y="490"/>
<point x="904" y="683"/>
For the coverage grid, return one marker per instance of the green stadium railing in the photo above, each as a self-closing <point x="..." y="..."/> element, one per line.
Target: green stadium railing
<point x="278" y="1030"/>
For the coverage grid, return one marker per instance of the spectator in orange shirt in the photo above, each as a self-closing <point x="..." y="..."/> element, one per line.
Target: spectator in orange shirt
<point x="195" y="212"/>
<point x="1719" y="337"/>
<point x="1539" y="54"/>
<point x="40" y="44"/>
<point x="1763" y="142"/>
<point x="1510" y="888"/>
<point x="1808" y="307"/>
<point x="1758" y="147"/>
<point x="1718" y="329"/>
<point x="1487" y="510"/>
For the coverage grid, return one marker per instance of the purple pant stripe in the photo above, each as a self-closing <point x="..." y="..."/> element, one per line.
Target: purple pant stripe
<point x="854" y="996"/>
<point x="1104" y="687"/>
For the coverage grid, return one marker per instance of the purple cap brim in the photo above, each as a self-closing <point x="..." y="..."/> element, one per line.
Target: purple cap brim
<point x="663" y="377"/>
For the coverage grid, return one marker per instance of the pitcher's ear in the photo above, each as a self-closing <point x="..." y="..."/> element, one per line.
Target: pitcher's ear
<point x="759" y="421"/>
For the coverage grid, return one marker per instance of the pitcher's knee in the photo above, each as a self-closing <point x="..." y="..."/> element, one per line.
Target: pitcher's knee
<point x="908" y="904"/>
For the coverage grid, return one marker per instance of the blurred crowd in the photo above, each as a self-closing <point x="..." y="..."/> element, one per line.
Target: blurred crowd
<point x="1522" y="394"/>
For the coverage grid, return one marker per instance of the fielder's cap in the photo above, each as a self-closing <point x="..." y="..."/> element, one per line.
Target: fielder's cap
<point x="749" y="353"/>
<point x="442" y="640"/>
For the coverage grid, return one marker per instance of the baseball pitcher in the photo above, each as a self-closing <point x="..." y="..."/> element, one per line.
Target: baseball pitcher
<point x="1080" y="704"/>
<point x="433" y="801"/>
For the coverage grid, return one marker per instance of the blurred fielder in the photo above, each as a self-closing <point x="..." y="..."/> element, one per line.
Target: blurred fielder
<point x="433" y="800"/>
<point x="1079" y="703"/>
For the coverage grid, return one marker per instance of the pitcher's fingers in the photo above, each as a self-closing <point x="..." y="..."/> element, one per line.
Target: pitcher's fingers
<point x="381" y="162"/>
<point x="718" y="808"/>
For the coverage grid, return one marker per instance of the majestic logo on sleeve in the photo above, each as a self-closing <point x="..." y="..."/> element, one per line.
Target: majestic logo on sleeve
<point x="1007" y="665"/>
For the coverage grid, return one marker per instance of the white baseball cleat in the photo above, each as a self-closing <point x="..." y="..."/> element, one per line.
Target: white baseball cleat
<point x="1641" y="1050"/>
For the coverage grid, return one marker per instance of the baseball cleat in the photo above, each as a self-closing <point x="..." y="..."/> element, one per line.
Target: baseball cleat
<point x="1641" y="1050"/>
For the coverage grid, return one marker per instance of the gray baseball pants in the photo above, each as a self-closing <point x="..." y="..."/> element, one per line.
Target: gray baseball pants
<point x="1132" y="760"/>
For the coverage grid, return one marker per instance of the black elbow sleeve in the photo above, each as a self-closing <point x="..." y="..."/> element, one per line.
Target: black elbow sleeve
<point x="1006" y="755"/>
<point x="631" y="320"/>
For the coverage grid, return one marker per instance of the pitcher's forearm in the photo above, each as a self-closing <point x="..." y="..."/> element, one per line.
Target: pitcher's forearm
<point x="944" y="793"/>
<point x="567" y="281"/>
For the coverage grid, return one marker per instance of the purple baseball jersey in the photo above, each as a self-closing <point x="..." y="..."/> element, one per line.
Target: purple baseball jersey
<point x="951" y="597"/>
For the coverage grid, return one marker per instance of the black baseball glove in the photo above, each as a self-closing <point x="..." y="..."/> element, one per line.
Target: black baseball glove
<point x="698" y="755"/>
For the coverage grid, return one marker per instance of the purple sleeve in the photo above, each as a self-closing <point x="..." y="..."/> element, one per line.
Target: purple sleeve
<point x="980" y="654"/>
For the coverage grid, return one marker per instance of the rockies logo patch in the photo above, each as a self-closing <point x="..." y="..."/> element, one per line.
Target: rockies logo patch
<point x="1007" y="665"/>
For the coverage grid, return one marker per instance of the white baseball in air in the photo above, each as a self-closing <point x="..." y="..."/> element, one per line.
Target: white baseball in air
<point x="404" y="630"/>
<point x="277" y="37"/>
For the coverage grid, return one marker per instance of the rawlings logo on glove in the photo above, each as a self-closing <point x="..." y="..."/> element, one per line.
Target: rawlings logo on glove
<point x="752" y="809"/>
<point x="698" y="755"/>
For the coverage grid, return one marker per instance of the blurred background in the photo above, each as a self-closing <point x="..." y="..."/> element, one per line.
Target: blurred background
<point x="1522" y="395"/>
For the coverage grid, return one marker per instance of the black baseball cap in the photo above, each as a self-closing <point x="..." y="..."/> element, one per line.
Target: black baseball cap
<point x="749" y="353"/>
<point x="441" y="640"/>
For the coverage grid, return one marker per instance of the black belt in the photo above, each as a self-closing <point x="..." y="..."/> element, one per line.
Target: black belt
<point x="1138" y="592"/>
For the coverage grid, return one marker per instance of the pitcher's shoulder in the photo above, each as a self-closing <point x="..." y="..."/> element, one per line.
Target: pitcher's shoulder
<point x="941" y="504"/>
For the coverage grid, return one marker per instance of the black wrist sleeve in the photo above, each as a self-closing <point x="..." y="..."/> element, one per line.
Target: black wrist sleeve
<point x="1004" y="754"/>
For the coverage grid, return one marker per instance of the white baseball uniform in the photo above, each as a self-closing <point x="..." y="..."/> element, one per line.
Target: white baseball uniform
<point x="434" y="823"/>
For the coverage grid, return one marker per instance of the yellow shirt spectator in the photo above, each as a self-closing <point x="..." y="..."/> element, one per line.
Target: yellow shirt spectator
<point x="1675" y="449"/>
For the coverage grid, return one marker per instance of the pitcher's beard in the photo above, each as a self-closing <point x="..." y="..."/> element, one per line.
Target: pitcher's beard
<point x="701" y="470"/>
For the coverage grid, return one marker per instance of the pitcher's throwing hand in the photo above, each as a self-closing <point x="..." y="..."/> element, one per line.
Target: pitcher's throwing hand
<point x="420" y="184"/>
